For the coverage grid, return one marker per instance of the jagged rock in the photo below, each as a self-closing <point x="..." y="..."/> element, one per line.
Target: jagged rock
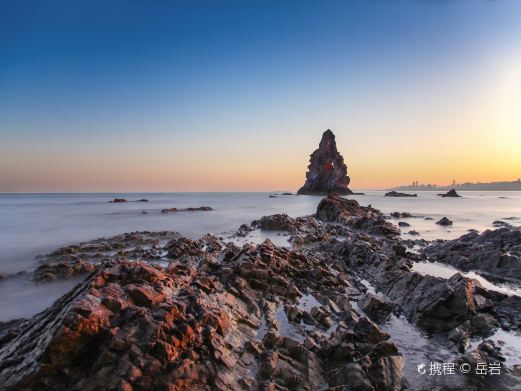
<point x="488" y="371"/>
<point x="244" y="230"/>
<point x="275" y="222"/>
<point x="327" y="170"/>
<point x="450" y="193"/>
<point x="223" y="317"/>
<point x="196" y="325"/>
<point x="375" y="307"/>
<point x="334" y="208"/>
<point x="10" y="329"/>
<point x="444" y="221"/>
<point x="495" y="252"/>
<point x="459" y="336"/>
<point x="165" y="336"/>
<point x="398" y="194"/>
<point x="51" y="271"/>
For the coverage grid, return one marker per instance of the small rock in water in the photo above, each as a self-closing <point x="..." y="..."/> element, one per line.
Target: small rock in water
<point x="398" y="194"/>
<point x="403" y="224"/>
<point x="117" y="200"/>
<point x="174" y="210"/>
<point x="444" y="221"/>
<point x="401" y="215"/>
<point x="450" y="193"/>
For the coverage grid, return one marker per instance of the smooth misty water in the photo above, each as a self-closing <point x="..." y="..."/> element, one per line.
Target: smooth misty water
<point x="33" y="224"/>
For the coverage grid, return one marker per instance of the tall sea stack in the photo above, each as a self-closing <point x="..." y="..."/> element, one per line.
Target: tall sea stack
<point x="327" y="171"/>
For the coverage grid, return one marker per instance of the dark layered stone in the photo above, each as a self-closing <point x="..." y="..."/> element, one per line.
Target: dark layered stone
<point x="327" y="172"/>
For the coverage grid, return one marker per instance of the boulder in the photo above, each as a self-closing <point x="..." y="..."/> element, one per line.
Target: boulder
<point x="377" y="308"/>
<point x="444" y="221"/>
<point x="336" y="209"/>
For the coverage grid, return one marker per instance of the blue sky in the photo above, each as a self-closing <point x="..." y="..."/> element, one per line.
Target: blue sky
<point x="121" y="95"/>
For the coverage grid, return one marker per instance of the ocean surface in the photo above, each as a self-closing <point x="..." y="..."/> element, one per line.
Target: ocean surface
<point x="33" y="224"/>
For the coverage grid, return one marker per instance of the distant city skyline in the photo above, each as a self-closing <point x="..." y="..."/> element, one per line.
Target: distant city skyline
<point x="204" y="96"/>
<point x="499" y="185"/>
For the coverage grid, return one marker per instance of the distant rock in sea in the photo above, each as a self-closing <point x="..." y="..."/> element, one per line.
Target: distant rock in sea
<point x="450" y="193"/>
<point x="175" y="210"/>
<point x="327" y="171"/>
<point x="444" y="221"/>
<point x="119" y="200"/>
<point x="398" y="194"/>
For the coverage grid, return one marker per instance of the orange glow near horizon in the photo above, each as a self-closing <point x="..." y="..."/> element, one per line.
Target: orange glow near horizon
<point x="462" y="136"/>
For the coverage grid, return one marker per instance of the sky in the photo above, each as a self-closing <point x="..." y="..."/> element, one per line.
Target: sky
<point x="234" y="96"/>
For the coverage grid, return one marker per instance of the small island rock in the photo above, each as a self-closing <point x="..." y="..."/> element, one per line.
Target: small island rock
<point x="327" y="171"/>
<point x="450" y="193"/>
<point x="398" y="194"/>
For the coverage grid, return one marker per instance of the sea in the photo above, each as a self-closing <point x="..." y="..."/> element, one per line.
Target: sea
<point x="35" y="224"/>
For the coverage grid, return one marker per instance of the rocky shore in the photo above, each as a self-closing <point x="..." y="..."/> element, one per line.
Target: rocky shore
<point x="157" y="310"/>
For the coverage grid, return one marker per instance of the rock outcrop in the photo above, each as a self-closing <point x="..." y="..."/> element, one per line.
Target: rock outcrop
<point x="217" y="324"/>
<point x="161" y="311"/>
<point x="336" y="209"/>
<point x="494" y="252"/>
<point x="450" y="193"/>
<point x="191" y="209"/>
<point x="327" y="170"/>
<point x="398" y="194"/>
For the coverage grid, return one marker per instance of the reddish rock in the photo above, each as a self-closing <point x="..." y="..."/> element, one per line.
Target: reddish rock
<point x="327" y="170"/>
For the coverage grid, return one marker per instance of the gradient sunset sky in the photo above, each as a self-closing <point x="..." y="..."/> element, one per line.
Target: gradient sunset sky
<point x="234" y="96"/>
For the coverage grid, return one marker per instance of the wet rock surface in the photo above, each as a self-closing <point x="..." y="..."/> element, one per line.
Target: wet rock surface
<point x="132" y="325"/>
<point x="496" y="252"/>
<point x="161" y="311"/>
<point x="340" y="210"/>
<point x="327" y="172"/>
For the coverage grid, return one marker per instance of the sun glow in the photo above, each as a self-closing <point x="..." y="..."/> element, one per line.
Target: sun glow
<point x="511" y="101"/>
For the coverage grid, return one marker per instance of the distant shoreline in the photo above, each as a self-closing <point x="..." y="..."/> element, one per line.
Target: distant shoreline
<point x="468" y="186"/>
<point x="444" y="188"/>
